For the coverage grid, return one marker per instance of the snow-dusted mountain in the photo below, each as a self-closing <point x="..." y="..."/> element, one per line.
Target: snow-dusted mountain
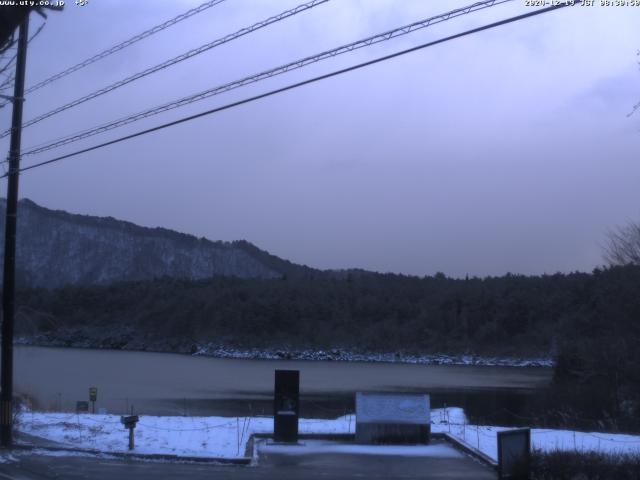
<point x="57" y="248"/>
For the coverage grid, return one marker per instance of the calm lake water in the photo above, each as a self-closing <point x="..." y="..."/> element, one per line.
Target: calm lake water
<point x="171" y="384"/>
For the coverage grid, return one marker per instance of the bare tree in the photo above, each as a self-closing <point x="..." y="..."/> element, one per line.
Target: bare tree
<point x="636" y="107"/>
<point x="623" y="245"/>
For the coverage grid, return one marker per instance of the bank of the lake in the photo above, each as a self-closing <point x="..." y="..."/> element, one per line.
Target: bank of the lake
<point x="291" y="353"/>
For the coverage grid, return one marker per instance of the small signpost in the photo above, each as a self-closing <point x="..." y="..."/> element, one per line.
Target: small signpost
<point x="82" y="406"/>
<point x="129" y="422"/>
<point x="93" y="397"/>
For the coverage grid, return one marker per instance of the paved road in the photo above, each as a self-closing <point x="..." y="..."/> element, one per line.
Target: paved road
<point x="318" y="465"/>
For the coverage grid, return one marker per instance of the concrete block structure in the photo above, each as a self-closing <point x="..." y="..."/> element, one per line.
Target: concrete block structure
<point x="393" y="418"/>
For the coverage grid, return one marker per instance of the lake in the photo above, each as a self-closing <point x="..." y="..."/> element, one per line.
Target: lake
<point x="174" y="384"/>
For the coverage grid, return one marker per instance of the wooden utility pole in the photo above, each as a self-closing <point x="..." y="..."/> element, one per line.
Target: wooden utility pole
<point x="8" y="289"/>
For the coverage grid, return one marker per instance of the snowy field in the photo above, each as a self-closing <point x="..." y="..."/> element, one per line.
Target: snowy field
<point x="227" y="436"/>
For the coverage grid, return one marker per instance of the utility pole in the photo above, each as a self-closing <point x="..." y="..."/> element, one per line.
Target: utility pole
<point x="8" y="289"/>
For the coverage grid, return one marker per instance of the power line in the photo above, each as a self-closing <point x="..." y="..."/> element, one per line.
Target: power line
<point x="173" y="61"/>
<point x="125" y="44"/>
<point x="6" y="83"/>
<point x="8" y="43"/>
<point x="9" y="63"/>
<point x="121" y="45"/>
<point x="396" y="32"/>
<point x="305" y="82"/>
<point x="37" y="32"/>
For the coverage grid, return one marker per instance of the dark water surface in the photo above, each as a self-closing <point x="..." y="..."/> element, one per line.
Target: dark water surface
<point x="172" y="384"/>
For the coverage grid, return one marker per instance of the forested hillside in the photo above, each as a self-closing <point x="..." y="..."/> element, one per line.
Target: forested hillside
<point x="510" y="314"/>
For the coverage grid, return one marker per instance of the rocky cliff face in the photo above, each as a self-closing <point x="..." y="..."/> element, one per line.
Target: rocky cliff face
<point x="57" y="248"/>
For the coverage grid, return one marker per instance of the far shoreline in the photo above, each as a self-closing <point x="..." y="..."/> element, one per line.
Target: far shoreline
<point x="313" y="355"/>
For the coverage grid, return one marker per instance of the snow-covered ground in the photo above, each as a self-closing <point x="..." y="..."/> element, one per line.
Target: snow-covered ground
<point x="228" y="436"/>
<point x="188" y="436"/>
<point x="484" y="438"/>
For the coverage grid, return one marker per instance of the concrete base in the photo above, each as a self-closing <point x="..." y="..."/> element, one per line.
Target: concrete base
<point x="285" y="427"/>
<point x="392" y="433"/>
<point x="286" y="444"/>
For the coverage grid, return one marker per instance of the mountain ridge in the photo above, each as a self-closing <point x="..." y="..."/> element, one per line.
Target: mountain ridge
<point x="56" y="248"/>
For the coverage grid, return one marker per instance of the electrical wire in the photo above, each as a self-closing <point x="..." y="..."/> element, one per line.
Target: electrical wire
<point x="9" y="63"/>
<point x="173" y="61"/>
<point x="36" y="33"/>
<point x="124" y="44"/>
<point x="15" y="55"/>
<point x="8" y="43"/>
<point x="380" y="37"/>
<point x="304" y="82"/>
<point x="199" y="429"/>
<point x="7" y="82"/>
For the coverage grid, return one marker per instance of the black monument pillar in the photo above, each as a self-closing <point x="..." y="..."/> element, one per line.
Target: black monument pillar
<point x="286" y="406"/>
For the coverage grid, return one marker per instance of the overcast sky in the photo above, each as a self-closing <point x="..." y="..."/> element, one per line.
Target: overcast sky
<point x="505" y="151"/>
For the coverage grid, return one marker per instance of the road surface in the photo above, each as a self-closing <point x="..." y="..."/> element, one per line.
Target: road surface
<point x="274" y="466"/>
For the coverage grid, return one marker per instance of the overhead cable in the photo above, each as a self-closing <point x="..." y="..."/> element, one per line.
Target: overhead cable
<point x="304" y="82"/>
<point x="387" y="35"/>
<point x="15" y="55"/>
<point x="124" y="44"/>
<point x="172" y="61"/>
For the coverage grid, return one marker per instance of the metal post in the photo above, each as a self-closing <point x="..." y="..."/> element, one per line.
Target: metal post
<point x="8" y="293"/>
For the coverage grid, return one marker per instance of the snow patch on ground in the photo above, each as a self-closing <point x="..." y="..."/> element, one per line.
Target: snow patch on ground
<point x="6" y="457"/>
<point x="484" y="438"/>
<point x="185" y="436"/>
<point x="227" y="436"/>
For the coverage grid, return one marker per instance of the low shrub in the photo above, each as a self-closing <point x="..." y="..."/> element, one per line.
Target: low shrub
<point x="587" y="465"/>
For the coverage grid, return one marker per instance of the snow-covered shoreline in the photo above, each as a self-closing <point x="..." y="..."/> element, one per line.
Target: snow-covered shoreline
<point x="227" y="437"/>
<point x="388" y="357"/>
<point x="338" y="355"/>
